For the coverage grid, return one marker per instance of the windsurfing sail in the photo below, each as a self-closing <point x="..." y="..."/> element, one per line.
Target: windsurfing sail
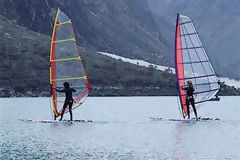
<point x="66" y="64"/>
<point x="192" y="63"/>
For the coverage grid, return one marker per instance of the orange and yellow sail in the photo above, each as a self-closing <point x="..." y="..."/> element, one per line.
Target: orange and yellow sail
<point x="66" y="64"/>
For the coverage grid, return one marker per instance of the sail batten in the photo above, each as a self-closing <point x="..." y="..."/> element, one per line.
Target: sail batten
<point x="192" y="63"/>
<point x="69" y="78"/>
<point x="63" y="23"/>
<point x="185" y="22"/>
<point x="65" y="40"/>
<point x="66" y="59"/>
<point x="66" y="64"/>
<point x="195" y="77"/>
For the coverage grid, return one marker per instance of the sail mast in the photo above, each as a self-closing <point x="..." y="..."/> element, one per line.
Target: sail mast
<point x="52" y="68"/>
<point x="179" y="67"/>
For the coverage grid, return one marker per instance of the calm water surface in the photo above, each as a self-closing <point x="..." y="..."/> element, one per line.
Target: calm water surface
<point x="121" y="130"/>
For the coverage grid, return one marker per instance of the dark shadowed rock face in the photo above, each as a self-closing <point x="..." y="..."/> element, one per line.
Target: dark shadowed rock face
<point x="218" y="24"/>
<point x="36" y="15"/>
<point x="23" y="56"/>
<point x="125" y="27"/>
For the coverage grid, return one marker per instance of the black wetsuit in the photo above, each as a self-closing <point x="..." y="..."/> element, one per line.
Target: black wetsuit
<point x="190" y="99"/>
<point x="68" y="101"/>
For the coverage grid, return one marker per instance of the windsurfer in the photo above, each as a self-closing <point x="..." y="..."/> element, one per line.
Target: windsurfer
<point x="189" y="98"/>
<point x="68" y="99"/>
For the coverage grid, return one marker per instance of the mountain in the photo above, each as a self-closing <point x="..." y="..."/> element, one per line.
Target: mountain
<point x="23" y="55"/>
<point x="24" y="68"/>
<point x="217" y="23"/>
<point x="124" y="27"/>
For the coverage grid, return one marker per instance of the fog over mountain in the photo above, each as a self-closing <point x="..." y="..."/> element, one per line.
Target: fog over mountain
<point x="217" y="22"/>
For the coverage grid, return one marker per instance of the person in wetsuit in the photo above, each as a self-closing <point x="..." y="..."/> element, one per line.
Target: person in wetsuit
<point x="189" y="98"/>
<point x="68" y="100"/>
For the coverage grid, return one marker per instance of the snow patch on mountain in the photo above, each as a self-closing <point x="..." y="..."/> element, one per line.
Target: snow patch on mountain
<point x="228" y="81"/>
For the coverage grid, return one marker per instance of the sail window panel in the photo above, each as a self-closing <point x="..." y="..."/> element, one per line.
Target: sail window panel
<point x="202" y="80"/>
<point x="194" y="41"/>
<point x="191" y="56"/>
<point x="208" y="95"/>
<point x="183" y="43"/>
<point x="64" y="32"/>
<point x="208" y="68"/>
<point x="188" y="28"/>
<point x="187" y="43"/>
<point x="205" y="85"/>
<point x="214" y="86"/>
<point x="188" y="72"/>
<point x="63" y="17"/>
<point x="198" y="80"/>
<point x="197" y="58"/>
<point x="202" y="97"/>
<point x="202" y="88"/>
<point x="184" y="19"/>
<point x="214" y="82"/>
<point x="79" y="86"/>
<point x="69" y="69"/>
<point x="185" y="55"/>
<point x="66" y="50"/>
<point x="200" y="54"/>
<point x="195" y="70"/>
<point x="198" y="69"/>
<point x="213" y="79"/>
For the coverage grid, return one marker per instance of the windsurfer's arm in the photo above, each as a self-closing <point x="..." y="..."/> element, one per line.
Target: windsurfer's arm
<point x="220" y="83"/>
<point x="73" y="90"/>
<point x="59" y="90"/>
<point x="184" y="87"/>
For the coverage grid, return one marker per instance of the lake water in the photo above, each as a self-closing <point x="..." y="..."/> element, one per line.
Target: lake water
<point x="121" y="130"/>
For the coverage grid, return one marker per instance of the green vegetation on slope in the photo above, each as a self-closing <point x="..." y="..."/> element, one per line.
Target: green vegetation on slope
<point x="24" y="56"/>
<point x="121" y="78"/>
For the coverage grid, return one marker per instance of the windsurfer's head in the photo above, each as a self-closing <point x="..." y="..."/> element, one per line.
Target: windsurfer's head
<point x="66" y="84"/>
<point x="189" y="83"/>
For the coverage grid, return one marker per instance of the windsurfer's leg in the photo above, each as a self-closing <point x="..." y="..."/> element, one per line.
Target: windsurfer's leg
<point x="188" y="110"/>
<point x="194" y="108"/>
<point x="63" y="110"/>
<point x="70" y="111"/>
